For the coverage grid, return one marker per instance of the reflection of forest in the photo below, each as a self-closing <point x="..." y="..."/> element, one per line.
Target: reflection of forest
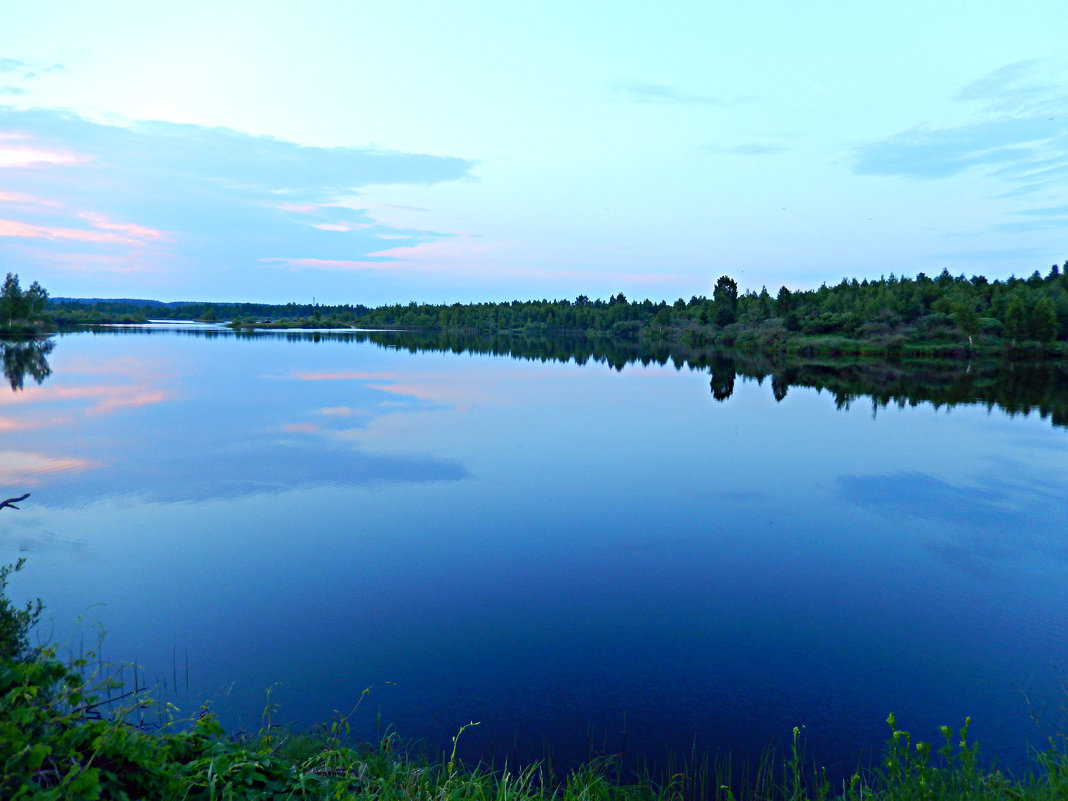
<point x="1013" y="386"/>
<point x="26" y="358"/>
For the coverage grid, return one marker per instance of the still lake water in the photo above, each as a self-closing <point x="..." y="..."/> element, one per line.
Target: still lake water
<point x="584" y="560"/>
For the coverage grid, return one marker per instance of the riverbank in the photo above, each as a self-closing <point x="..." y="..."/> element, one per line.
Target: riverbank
<point x="58" y="742"/>
<point x="67" y="731"/>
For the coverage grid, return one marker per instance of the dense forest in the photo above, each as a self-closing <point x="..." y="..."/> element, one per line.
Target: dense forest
<point x="939" y="315"/>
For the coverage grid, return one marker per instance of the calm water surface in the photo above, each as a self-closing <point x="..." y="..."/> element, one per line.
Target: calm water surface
<point x="584" y="560"/>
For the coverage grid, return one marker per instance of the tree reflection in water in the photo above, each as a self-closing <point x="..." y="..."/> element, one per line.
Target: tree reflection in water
<point x="26" y="358"/>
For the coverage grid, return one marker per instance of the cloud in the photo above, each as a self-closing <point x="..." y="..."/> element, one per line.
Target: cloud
<point x="13" y="156"/>
<point x="1019" y="137"/>
<point x="136" y="233"/>
<point x="1013" y="86"/>
<point x="12" y="90"/>
<point x="661" y="93"/>
<point x="125" y="233"/>
<point x="15" y="65"/>
<point x="205" y="206"/>
<point x="1045" y="211"/>
<point x="1015" y="145"/>
<point x="17" y="197"/>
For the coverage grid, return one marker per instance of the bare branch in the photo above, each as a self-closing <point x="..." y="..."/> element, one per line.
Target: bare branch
<point x="12" y="501"/>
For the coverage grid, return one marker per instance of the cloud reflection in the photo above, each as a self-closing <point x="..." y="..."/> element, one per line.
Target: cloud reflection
<point x="22" y="468"/>
<point x="1001" y="519"/>
<point x="227" y="442"/>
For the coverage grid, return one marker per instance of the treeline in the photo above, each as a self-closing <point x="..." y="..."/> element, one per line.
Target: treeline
<point x="1018" y="309"/>
<point x="885" y="315"/>
<point x="888" y="313"/>
<point x="95" y="310"/>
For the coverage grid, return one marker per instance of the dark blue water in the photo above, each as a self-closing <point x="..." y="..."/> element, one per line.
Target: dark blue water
<point x="581" y="559"/>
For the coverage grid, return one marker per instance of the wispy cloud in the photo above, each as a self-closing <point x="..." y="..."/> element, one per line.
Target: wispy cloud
<point x="1019" y="137"/>
<point x="210" y="205"/>
<point x="1015" y="86"/>
<point x="16" y="65"/>
<point x="135" y="233"/>
<point x="13" y="228"/>
<point x="18" y="197"/>
<point x="14" y="155"/>
<point x="662" y="93"/>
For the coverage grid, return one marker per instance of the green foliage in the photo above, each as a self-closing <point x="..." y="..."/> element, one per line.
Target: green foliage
<point x="15" y="622"/>
<point x="18" y="308"/>
<point x="55" y="745"/>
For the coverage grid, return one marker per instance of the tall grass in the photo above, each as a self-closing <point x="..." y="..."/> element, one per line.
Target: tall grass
<point x="69" y="733"/>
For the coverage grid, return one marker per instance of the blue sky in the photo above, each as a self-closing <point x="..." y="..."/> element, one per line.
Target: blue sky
<point x="370" y="153"/>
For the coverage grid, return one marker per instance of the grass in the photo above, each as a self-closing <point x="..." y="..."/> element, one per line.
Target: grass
<point x="62" y="738"/>
<point x="51" y="747"/>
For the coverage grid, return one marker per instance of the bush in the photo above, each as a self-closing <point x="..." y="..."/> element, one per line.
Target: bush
<point x="15" y="622"/>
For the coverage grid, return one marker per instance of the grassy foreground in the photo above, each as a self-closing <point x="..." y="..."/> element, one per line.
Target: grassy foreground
<point x="66" y="733"/>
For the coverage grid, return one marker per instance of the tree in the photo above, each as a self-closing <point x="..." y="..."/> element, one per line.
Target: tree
<point x="1015" y="319"/>
<point x="967" y="320"/>
<point x="18" y="306"/>
<point x="13" y="305"/>
<point x="1043" y="323"/>
<point x="782" y="302"/>
<point x="725" y="296"/>
<point x="36" y="297"/>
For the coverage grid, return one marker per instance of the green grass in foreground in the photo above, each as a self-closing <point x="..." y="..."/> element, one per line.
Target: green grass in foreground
<point x="60" y="740"/>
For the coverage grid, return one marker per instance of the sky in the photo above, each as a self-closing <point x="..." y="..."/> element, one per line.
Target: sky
<point x="343" y="151"/>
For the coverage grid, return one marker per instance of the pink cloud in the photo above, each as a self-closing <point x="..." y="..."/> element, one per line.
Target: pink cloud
<point x="343" y="411"/>
<point x="136" y="232"/>
<point x="341" y="226"/>
<point x="17" y="197"/>
<point x="462" y="246"/>
<point x="300" y="428"/>
<point x="22" y="156"/>
<point x="12" y="228"/>
<point x="298" y="208"/>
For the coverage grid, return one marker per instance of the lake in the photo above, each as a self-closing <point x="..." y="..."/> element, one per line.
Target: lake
<point x="605" y="557"/>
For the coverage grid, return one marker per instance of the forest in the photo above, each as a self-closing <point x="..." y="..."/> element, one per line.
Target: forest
<point x="921" y="314"/>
